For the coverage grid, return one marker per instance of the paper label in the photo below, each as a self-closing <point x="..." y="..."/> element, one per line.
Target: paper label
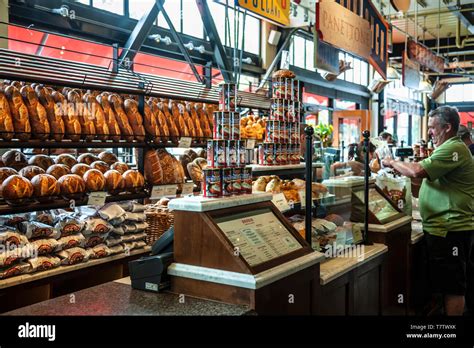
<point x="97" y="198"/>
<point x="280" y="202"/>
<point x="151" y="286"/>
<point x="185" y="142"/>
<point x="170" y="190"/>
<point x="356" y="234"/>
<point x="302" y="194"/>
<point x="341" y="238"/>
<point x="157" y="192"/>
<point x="188" y="188"/>
<point x="250" y="145"/>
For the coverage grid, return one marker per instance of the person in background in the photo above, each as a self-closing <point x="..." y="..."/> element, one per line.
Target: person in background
<point x="446" y="204"/>
<point x="465" y="134"/>
<point x="386" y="136"/>
<point x="356" y="161"/>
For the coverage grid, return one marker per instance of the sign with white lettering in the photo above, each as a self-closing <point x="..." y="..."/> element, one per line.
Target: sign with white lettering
<point x="343" y="28"/>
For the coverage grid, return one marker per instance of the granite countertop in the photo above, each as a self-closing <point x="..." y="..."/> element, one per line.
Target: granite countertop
<point x="336" y="267"/>
<point x="416" y="225"/>
<point x="118" y="298"/>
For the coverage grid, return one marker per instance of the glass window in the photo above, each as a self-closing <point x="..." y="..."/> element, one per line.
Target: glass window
<point x="342" y="56"/>
<point x="218" y="14"/>
<point x="138" y="8"/>
<point x="357" y="71"/>
<point x="252" y="35"/>
<point x="173" y="9"/>
<point x="248" y="83"/>
<point x="192" y="22"/>
<point x="323" y="117"/>
<point x="455" y="93"/>
<point x="364" y="73"/>
<point x="348" y="75"/>
<point x="415" y="129"/>
<point x="115" y="6"/>
<point x="403" y="128"/>
<point x="85" y="2"/>
<point x="309" y="55"/>
<point x="299" y="47"/>
<point x="469" y="92"/>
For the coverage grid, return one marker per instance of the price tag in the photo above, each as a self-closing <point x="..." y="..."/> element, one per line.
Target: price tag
<point x="188" y="188"/>
<point x="341" y="238"/>
<point x="280" y="202"/>
<point x="356" y="234"/>
<point x="97" y="198"/>
<point x="302" y="194"/>
<point x="157" y="192"/>
<point x="170" y="190"/>
<point x="185" y="142"/>
<point x="250" y="145"/>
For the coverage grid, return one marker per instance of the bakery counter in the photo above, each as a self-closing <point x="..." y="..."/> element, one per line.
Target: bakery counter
<point x="352" y="283"/>
<point x="119" y="298"/>
<point x="281" y="170"/>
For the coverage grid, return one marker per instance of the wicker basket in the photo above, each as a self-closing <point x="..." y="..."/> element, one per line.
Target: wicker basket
<point x="159" y="221"/>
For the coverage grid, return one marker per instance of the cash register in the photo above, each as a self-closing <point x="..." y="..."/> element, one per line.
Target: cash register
<point x="150" y="272"/>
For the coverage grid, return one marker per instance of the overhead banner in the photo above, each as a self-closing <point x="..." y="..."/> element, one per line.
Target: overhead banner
<point x="410" y="73"/>
<point x="343" y="28"/>
<point x="425" y="56"/>
<point x="277" y="11"/>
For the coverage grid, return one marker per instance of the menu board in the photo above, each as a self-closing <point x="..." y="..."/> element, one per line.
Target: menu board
<point x="258" y="236"/>
<point x="378" y="205"/>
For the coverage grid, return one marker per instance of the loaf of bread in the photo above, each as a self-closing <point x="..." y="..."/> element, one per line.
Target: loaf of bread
<point x="80" y="169"/>
<point x="72" y="126"/>
<point x="5" y="172"/>
<point x="66" y="159"/>
<point x="81" y="112"/>
<point x="30" y="172"/>
<point x="135" y="119"/>
<point x="100" y="166"/>
<point x="108" y="157"/>
<point x="170" y="176"/>
<point x="284" y="73"/>
<point x="53" y="112"/>
<point x="19" y="113"/>
<point x="42" y="161"/>
<point x="178" y="168"/>
<point x="6" y="121"/>
<point x="188" y="120"/>
<point x="209" y="111"/>
<point x="58" y="170"/>
<point x="191" y="109"/>
<point x="195" y="169"/>
<point x="120" y="167"/>
<point x="203" y="120"/>
<point x="45" y="185"/>
<point x="121" y="117"/>
<point x="153" y="171"/>
<point x="180" y="122"/>
<point x="114" y="182"/>
<point x="14" y="159"/>
<point x="173" y="129"/>
<point x="40" y="128"/>
<point x="95" y="180"/>
<point x="185" y="159"/>
<point x="16" y="188"/>
<point x="110" y="117"/>
<point x="163" y="124"/>
<point x="134" y="180"/>
<point x="71" y="184"/>
<point x="87" y="158"/>
<point x="152" y="125"/>
<point x="97" y="115"/>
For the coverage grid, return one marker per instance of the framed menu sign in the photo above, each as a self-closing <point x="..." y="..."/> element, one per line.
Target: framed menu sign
<point x="258" y="236"/>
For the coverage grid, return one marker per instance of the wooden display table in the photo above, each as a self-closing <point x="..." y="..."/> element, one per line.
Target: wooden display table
<point x="352" y="285"/>
<point x="242" y="250"/>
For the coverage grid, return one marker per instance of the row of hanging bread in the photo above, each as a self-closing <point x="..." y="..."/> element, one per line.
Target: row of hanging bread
<point x="39" y="112"/>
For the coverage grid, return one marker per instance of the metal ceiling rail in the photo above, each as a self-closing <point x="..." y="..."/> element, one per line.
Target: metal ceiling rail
<point x="53" y="71"/>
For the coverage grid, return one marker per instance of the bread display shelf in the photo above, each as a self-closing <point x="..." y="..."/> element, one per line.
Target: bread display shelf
<point x="30" y="277"/>
<point x="258" y="170"/>
<point x="61" y="203"/>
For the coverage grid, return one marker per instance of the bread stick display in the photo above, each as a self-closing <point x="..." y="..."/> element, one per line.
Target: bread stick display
<point x="53" y="113"/>
<point x="19" y="113"/>
<point x="6" y="121"/>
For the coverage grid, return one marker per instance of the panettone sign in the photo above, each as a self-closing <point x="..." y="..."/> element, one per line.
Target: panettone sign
<point x="277" y="11"/>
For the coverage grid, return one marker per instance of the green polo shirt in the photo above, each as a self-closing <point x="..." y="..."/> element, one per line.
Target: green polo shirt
<point x="447" y="195"/>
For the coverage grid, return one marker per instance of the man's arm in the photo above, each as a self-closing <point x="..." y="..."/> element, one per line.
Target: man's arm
<point x="411" y="170"/>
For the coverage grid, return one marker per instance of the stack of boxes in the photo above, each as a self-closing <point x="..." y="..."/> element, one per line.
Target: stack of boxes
<point x="226" y="173"/>
<point x="281" y="145"/>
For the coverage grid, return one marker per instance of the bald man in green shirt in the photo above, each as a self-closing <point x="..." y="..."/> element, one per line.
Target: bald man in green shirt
<point x="446" y="203"/>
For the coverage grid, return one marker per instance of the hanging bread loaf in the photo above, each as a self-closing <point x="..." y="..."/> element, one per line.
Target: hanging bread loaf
<point x="6" y="121"/>
<point x="194" y="116"/>
<point x="152" y="126"/>
<point x="187" y="119"/>
<point x="81" y="112"/>
<point x="209" y="111"/>
<point x="19" y="113"/>
<point x="110" y="117"/>
<point x="40" y="128"/>
<point x="135" y="119"/>
<point x="203" y="120"/>
<point x="181" y="122"/>
<point x="122" y="119"/>
<point x="97" y="116"/>
<point x="72" y="125"/>
<point x="160" y="117"/>
<point x="173" y="129"/>
<point x="153" y="170"/>
<point x="53" y="113"/>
